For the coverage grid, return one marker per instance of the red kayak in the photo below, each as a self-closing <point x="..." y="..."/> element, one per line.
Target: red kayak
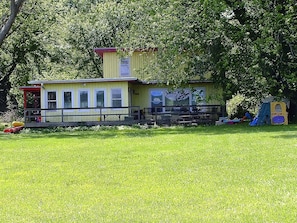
<point x="13" y="129"/>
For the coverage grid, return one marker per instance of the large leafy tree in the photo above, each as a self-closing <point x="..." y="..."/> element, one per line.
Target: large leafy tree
<point x="54" y="40"/>
<point x="89" y="25"/>
<point x="269" y="30"/>
<point x="247" y="46"/>
<point x="23" y="53"/>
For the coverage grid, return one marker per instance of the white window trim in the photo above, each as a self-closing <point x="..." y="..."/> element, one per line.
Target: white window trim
<point x="95" y="97"/>
<point x="125" y="67"/>
<point x="111" y="99"/>
<point x="89" y="101"/>
<point x="72" y="100"/>
<point x="46" y="100"/>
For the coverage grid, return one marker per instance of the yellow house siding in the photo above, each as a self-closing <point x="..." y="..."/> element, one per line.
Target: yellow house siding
<point x="138" y="61"/>
<point x="111" y="64"/>
<point x="75" y="88"/>
<point x="141" y="95"/>
<point x="91" y="87"/>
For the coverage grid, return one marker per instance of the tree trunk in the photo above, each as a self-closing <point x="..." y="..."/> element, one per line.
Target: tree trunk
<point x="5" y="86"/>
<point x="14" y="10"/>
<point x="292" y="111"/>
<point x="4" y="90"/>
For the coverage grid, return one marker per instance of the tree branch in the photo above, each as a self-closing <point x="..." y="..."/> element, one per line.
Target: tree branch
<point x="240" y="13"/>
<point x="15" y="7"/>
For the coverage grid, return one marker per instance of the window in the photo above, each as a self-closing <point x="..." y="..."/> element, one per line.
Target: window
<point x="83" y="99"/>
<point x="198" y="96"/>
<point x="156" y="100"/>
<point x="51" y="100"/>
<point x="67" y="99"/>
<point x="116" y="97"/>
<point x="125" y="67"/>
<point x="100" y="98"/>
<point x="178" y="98"/>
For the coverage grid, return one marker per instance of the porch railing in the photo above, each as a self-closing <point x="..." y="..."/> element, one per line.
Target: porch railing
<point x="129" y="114"/>
<point x="185" y="114"/>
<point x="82" y="114"/>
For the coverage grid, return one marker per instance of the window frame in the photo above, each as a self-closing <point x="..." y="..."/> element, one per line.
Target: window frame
<point x="72" y="100"/>
<point x="162" y="90"/>
<point x="190" y="98"/>
<point x="50" y="100"/>
<point x="79" y="99"/>
<point x="124" y="67"/>
<point x="176" y="93"/>
<point x="104" y="97"/>
<point x="203" y="97"/>
<point x="112" y="99"/>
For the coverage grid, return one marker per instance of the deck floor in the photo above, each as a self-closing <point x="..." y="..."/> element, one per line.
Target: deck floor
<point x="150" y="121"/>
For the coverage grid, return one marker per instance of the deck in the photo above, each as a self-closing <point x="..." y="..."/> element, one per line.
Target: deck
<point x="107" y="116"/>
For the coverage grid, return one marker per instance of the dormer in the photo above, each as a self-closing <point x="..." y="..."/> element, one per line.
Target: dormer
<point x="122" y="65"/>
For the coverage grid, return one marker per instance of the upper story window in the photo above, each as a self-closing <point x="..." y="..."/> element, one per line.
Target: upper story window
<point x="125" y="67"/>
<point x="51" y="99"/>
<point x="84" y="99"/>
<point x="67" y="99"/>
<point x="116" y="97"/>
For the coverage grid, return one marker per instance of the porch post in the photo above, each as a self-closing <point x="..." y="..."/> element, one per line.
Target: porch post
<point x="25" y="99"/>
<point x="139" y="114"/>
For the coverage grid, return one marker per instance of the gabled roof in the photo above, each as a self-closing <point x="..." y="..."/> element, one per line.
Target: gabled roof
<point x="101" y="51"/>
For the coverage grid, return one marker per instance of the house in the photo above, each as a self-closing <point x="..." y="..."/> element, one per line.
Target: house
<point x="122" y="96"/>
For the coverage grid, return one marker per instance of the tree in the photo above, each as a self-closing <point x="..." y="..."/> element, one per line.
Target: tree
<point x="90" y="25"/>
<point x="247" y="46"/>
<point x="60" y="45"/>
<point x="23" y="54"/>
<point x="15" y="6"/>
<point x="269" y="31"/>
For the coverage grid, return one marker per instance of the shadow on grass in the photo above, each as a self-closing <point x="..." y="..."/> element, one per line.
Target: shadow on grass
<point x="243" y="128"/>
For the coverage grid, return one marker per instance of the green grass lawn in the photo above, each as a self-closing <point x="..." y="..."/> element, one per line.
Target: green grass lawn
<point x="196" y="174"/>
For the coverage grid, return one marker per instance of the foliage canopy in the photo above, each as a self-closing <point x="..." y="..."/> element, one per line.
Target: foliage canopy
<point x="247" y="46"/>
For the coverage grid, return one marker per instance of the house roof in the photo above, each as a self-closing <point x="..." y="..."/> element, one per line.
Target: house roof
<point x="189" y="82"/>
<point x="93" y="80"/>
<point x="30" y="88"/>
<point x="98" y="80"/>
<point x="100" y="51"/>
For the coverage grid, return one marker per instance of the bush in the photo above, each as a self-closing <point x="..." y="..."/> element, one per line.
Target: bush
<point x="239" y="104"/>
<point x="10" y="116"/>
<point x="3" y="126"/>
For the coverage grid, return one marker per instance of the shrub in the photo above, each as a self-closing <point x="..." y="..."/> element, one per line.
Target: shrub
<point x="239" y="104"/>
<point x="10" y="116"/>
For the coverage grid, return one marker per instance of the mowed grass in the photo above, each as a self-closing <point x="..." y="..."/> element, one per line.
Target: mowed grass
<point x="196" y="174"/>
